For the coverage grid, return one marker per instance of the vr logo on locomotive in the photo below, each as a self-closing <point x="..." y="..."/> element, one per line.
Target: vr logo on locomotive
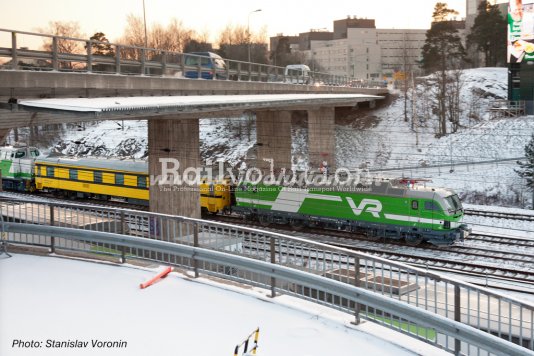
<point x="375" y="207"/>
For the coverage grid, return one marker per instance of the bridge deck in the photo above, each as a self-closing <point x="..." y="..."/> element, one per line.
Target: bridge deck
<point x="187" y="105"/>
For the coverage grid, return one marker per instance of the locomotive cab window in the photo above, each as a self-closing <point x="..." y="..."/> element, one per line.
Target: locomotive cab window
<point x="34" y="153"/>
<point x="20" y="154"/>
<point x="431" y="205"/>
<point x="415" y="204"/>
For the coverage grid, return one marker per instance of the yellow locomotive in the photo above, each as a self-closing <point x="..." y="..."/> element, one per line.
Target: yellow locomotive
<point x="124" y="179"/>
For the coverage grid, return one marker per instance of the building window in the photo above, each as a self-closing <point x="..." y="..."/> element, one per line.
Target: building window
<point x="98" y="177"/>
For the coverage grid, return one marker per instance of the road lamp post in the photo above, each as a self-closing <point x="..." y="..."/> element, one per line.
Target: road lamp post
<point x="144" y="22"/>
<point x="248" y="31"/>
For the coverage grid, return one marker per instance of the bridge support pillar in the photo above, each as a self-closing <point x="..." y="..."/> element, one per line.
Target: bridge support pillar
<point x="172" y="142"/>
<point x="3" y="135"/>
<point x="273" y="136"/>
<point x="322" y="137"/>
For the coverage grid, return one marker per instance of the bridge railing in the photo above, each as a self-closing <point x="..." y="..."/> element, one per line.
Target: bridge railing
<point x="224" y="265"/>
<point x="18" y="51"/>
<point x="488" y="311"/>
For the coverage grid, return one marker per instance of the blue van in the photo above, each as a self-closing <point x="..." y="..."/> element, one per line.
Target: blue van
<point x="211" y="64"/>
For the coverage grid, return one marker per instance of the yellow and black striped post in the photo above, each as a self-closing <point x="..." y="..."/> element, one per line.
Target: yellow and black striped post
<point x="256" y="334"/>
<point x="256" y="337"/>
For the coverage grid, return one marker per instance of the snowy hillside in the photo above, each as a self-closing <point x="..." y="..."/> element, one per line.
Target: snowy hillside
<point x="229" y="139"/>
<point x="373" y="139"/>
<point x="381" y="139"/>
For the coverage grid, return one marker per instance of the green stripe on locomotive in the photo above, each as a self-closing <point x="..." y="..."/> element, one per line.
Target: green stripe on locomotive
<point x="5" y="168"/>
<point x="23" y="171"/>
<point x="349" y="205"/>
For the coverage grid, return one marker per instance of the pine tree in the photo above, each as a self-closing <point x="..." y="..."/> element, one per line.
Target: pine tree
<point x="281" y="52"/>
<point x="443" y="47"/>
<point x="101" y="49"/>
<point x="527" y="168"/>
<point x="443" y="52"/>
<point x="488" y="34"/>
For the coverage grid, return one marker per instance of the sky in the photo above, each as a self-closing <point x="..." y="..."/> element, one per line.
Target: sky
<point x="277" y="16"/>
<point x="47" y="298"/>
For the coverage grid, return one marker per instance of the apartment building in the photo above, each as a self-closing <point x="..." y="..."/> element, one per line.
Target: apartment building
<point x="361" y="50"/>
<point x="357" y="48"/>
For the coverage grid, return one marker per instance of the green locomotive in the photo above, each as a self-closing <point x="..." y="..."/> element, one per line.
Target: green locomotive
<point x="400" y="209"/>
<point x="16" y="167"/>
<point x="385" y="209"/>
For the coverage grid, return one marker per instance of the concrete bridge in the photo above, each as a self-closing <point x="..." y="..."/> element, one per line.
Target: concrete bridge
<point x="173" y="106"/>
<point x="39" y="98"/>
<point x="20" y="85"/>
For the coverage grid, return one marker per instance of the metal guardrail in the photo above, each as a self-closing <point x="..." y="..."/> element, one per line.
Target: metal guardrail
<point x="335" y="289"/>
<point x="507" y="108"/>
<point x="408" y="289"/>
<point x="78" y="55"/>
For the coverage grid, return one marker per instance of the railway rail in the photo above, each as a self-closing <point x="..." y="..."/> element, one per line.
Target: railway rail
<point x="504" y="265"/>
<point x="460" y="267"/>
<point x="502" y="240"/>
<point x="493" y="259"/>
<point x="500" y="215"/>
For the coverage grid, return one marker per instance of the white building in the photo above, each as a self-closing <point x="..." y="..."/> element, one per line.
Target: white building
<point x="367" y="52"/>
<point x="358" y="49"/>
<point x="471" y="10"/>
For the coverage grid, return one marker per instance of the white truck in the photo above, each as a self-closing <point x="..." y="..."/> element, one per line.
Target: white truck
<point x="297" y="74"/>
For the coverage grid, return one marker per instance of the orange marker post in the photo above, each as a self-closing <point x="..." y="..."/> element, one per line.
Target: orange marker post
<point x="159" y="276"/>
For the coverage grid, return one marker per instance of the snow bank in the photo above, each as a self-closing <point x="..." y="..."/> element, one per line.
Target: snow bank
<point x="47" y="298"/>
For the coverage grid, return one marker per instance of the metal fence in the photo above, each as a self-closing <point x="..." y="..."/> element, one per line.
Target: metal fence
<point x="429" y="293"/>
<point x="69" y="54"/>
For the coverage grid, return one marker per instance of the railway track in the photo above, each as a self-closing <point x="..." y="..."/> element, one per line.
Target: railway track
<point x="462" y="267"/>
<point x="500" y="215"/>
<point x="481" y="261"/>
<point x="495" y="256"/>
<point x="502" y="240"/>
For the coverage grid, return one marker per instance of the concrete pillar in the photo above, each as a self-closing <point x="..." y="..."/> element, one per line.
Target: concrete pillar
<point x="178" y="139"/>
<point x="3" y="135"/>
<point x="273" y="136"/>
<point x="322" y="137"/>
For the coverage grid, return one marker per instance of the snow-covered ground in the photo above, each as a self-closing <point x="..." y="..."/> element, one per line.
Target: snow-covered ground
<point x="48" y="298"/>
<point x="390" y="142"/>
<point x="226" y="138"/>
<point x="500" y="226"/>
